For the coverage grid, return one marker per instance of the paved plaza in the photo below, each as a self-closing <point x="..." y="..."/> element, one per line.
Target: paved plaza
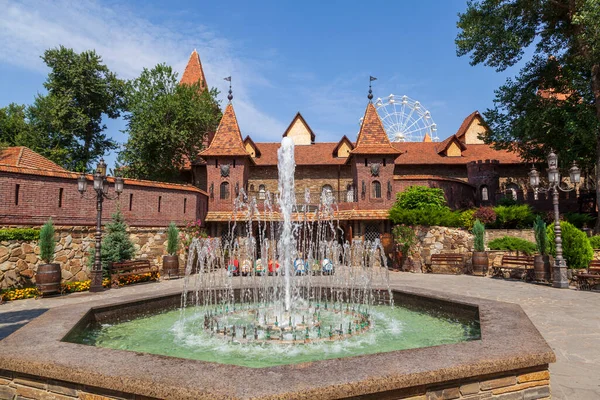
<point x="568" y="319"/>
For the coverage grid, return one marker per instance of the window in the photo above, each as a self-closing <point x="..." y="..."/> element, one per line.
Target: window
<point x="376" y="186"/>
<point x="511" y="191"/>
<point x="484" y="193"/>
<point x="130" y="201"/>
<point x="224" y="190"/>
<point x="216" y="163"/>
<point x="60" y="194"/>
<point x="17" y="189"/>
<point x="159" y="201"/>
<point x="366" y="163"/>
<point x="184" y="204"/>
<point x="350" y="194"/>
<point x="262" y="192"/>
<point x="384" y="162"/>
<point x="234" y="163"/>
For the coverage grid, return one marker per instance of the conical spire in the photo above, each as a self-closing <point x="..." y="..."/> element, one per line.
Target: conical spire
<point x="193" y="72"/>
<point x="372" y="138"/>
<point x="228" y="138"/>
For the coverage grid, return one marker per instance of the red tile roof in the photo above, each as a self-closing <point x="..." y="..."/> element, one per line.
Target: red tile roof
<point x="21" y="156"/>
<point x="226" y="216"/>
<point x="301" y="118"/>
<point x="420" y="153"/>
<point x="462" y="130"/>
<point x="249" y="140"/>
<point x="193" y="71"/>
<point x="228" y="138"/>
<point x="313" y="154"/>
<point x="443" y="146"/>
<point x="372" y="138"/>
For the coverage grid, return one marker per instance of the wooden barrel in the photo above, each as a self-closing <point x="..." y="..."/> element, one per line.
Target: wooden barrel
<point x="541" y="268"/>
<point x="480" y="263"/>
<point x="171" y="266"/>
<point x="47" y="278"/>
<point x="387" y="241"/>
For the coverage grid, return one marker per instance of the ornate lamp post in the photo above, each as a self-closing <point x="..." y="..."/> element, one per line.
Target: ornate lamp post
<point x="555" y="184"/>
<point x="101" y="189"/>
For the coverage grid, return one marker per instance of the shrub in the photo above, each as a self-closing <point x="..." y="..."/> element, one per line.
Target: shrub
<point x="19" y="234"/>
<point x="404" y="236"/>
<point x="579" y="220"/>
<point x="116" y="245"/>
<point x="426" y="217"/>
<point x="172" y="239"/>
<point x="418" y="197"/>
<point x="47" y="242"/>
<point x="513" y="244"/>
<point x="577" y="249"/>
<point x="479" y="233"/>
<point x="506" y="201"/>
<point x="486" y="215"/>
<point x="467" y="219"/>
<point x="510" y="217"/>
<point x="541" y="236"/>
<point x="595" y="242"/>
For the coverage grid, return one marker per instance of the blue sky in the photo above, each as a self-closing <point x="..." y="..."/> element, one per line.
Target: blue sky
<point x="311" y="56"/>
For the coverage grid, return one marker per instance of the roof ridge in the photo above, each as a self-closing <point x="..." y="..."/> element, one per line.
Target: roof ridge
<point x="20" y="156"/>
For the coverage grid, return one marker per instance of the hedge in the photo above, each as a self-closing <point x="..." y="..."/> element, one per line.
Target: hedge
<point x="19" y="234"/>
<point x="576" y="246"/>
<point x="513" y="244"/>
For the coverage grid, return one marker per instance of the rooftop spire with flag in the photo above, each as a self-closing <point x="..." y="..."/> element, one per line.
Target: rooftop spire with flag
<point x="230" y="95"/>
<point x="370" y="96"/>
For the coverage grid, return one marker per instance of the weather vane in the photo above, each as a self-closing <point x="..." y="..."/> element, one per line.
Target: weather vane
<point x="370" y="96"/>
<point x="230" y="95"/>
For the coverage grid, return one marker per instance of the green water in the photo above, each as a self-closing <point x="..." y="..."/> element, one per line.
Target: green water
<point x="392" y="329"/>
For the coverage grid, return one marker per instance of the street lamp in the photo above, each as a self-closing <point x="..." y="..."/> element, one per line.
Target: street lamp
<point x="101" y="189"/>
<point x="559" y="279"/>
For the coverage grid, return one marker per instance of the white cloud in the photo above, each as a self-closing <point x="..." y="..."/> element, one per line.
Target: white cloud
<point x="128" y="42"/>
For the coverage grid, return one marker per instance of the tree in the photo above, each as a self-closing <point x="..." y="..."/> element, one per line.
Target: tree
<point x="167" y="124"/>
<point x="555" y="99"/>
<point x="116" y="245"/>
<point x="13" y="125"/>
<point x="81" y="90"/>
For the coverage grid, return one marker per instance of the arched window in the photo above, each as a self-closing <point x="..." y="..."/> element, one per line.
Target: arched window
<point x="511" y="190"/>
<point x="224" y="190"/>
<point x="350" y="194"/>
<point x="484" y="193"/>
<point x="376" y="189"/>
<point x="262" y="192"/>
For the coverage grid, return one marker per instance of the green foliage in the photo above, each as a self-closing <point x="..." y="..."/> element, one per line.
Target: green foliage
<point x="116" y="244"/>
<point x="565" y="39"/>
<point x="418" y="197"/>
<point x="404" y="236"/>
<point x="166" y="124"/>
<point x="172" y="239"/>
<point x="510" y="217"/>
<point x="14" y="126"/>
<point x="466" y="219"/>
<point x="580" y="220"/>
<point x="426" y="217"/>
<point x="506" y="201"/>
<point x="595" y="242"/>
<point x="47" y="242"/>
<point x="19" y="234"/>
<point x="577" y="249"/>
<point x="541" y="236"/>
<point x="513" y="244"/>
<point x="479" y="236"/>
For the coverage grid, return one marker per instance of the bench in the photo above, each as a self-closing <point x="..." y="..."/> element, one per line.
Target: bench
<point x="126" y="268"/>
<point x="586" y="281"/>
<point x="523" y="265"/>
<point x="446" y="263"/>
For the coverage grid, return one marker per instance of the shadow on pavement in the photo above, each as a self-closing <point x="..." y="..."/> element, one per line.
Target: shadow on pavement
<point x="11" y="321"/>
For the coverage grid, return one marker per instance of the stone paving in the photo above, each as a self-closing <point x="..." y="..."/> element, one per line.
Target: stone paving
<point x="568" y="319"/>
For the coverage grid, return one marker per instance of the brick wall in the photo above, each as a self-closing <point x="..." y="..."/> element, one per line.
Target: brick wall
<point x="361" y="168"/>
<point x="238" y="175"/>
<point x="41" y="197"/>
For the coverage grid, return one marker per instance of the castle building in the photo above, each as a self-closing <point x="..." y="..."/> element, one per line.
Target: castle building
<point x="363" y="174"/>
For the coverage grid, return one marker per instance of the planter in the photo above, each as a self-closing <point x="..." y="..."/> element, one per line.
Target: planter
<point x="480" y="263"/>
<point x="171" y="266"/>
<point x="398" y="261"/>
<point x="541" y="268"/>
<point x="47" y="279"/>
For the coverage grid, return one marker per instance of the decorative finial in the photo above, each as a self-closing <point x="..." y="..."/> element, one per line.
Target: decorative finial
<point x="230" y="95"/>
<point x="370" y="96"/>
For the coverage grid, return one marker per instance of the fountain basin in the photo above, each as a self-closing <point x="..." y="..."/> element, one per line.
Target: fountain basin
<point x="510" y="348"/>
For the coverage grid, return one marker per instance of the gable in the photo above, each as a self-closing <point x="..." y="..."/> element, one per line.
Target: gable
<point x="453" y="150"/>
<point x="344" y="150"/>
<point x="299" y="131"/>
<point x="476" y="128"/>
<point x="250" y="150"/>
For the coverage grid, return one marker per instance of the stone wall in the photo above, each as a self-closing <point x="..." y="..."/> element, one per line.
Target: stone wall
<point x="530" y="384"/>
<point x="19" y="260"/>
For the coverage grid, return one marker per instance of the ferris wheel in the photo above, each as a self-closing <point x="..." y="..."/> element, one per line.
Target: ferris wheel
<point x="405" y="119"/>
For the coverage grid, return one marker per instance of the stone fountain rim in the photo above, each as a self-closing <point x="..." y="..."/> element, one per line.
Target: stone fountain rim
<point x="509" y="342"/>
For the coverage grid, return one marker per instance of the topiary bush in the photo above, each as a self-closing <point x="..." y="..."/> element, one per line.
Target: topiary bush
<point x="467" y="219"/>
<point x="419" y="197"/>
<point x="595" y="242"/>
<point x="172" y="239"/>
<point x="541" y="236"/>
<point x="486" y="215"/>
<point x="513" y="244"/>
<point x="479" y="233"/>
<point x="47" y="242"/>
<point x="576" y="246"/>
<point x="511" y="217"/>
